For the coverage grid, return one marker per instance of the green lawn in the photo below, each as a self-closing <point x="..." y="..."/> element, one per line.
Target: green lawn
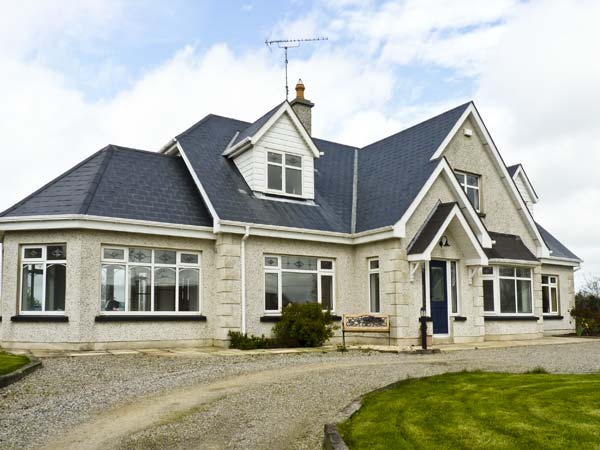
<point x="474" y="410"/>
<point x="9" y="362"/>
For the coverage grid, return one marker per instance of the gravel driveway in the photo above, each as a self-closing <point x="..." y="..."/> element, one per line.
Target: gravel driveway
<point x="242" y="402"/>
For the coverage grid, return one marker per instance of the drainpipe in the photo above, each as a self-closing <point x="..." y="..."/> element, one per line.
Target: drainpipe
<point x="243" y="270"/>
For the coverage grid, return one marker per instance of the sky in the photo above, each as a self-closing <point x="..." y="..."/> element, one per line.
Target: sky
<point x="78" y="75"/>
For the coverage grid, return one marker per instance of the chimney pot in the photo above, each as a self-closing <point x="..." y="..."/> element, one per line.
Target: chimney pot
<point x="302" y="107"/>
<point x="300" y="89"/>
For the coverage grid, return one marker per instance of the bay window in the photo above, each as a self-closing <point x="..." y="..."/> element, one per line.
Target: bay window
<point x="298" y="279"/>
<point x="43" y="279"/>
<point x="284" y="173"/>
<point x="507" y="290"/>
<point x="144" y="280"/>
<point x="550" y="294"/>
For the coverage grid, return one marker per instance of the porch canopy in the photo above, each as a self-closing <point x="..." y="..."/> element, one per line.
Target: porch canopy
<point x="447" y="217"/>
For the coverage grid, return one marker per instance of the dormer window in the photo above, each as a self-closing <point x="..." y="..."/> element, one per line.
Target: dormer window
<point x="284" y="173"/>
<point x="470" y="184"/>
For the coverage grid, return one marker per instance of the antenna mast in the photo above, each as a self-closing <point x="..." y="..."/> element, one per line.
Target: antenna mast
<point x="290" y="43"/>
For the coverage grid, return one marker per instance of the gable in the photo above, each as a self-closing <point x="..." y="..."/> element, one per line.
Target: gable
<point x="503" y="210"/>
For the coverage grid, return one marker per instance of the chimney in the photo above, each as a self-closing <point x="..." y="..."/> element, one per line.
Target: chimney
<point x="302" y="107"/>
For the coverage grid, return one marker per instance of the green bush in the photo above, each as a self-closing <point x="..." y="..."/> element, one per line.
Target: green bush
<point x="303" y="325"/>
<point x="587" y="314"/>
<point x="244" y="342"/>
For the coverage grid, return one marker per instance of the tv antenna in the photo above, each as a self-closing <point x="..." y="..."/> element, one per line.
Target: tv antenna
<point x="290" y="43"/>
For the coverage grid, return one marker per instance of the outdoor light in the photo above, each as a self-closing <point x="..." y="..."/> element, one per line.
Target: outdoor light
<point x="444" y="241"/>
<point x="423" y="320"/>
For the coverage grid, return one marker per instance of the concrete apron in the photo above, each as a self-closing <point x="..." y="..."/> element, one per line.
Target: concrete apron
<point x="200" y="352"/>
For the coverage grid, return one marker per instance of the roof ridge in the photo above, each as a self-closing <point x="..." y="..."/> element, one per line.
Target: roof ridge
<point x="417" y="124"/>
<point x="55" y="180"/>
<point x="87" y="201"/>
<point x="146" y="152"/>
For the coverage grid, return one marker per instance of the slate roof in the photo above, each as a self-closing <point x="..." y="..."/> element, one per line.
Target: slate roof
<point x="513" y="169"/>
<point x="135" y="184"/>
<point x="124" y="183"/>
<point x="428" y="232"/>
<point x="508" y="246"/>
<point x="556" y="247"/>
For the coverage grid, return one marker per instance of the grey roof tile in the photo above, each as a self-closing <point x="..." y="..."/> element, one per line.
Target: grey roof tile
<point x="556" y="247"/>
<point x="428" y="232"/>
<point x="251" y="129"/>
<point x="508" y="246"/>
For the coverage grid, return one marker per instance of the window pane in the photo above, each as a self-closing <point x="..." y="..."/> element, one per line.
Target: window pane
<point x="374" y="264"/>
<point x="271" y="291"/>
<point x="326" y="265"/>
<point x="374" y="292"/>
<point x="327" y="292"/>
<point x="437" y="276"/>
<point x="293" y="181"/>
<point x="293" y="160"/>
<point x="189" y="258"/>
<point x="33" y="253"/>
<point x="56" y="275"/>
<point x="140" y="255"/>
<point x="164" y="289"/>
<point x="523" y="273"/>
<point x="544" y="279"/>
<point x="113" y="253"/>
<point x="507" y="296"/>
<point x="298" y="288"/>
<point x="33" y="279"/>
<point x="189" y="290"/>
<point x="113" y="288"/>
<point x="473" y="180"/>
<point x="554" y="293"/>
<point x="298" y="263"/>
<point x="524" y="296"/>
<point x="545" y="300"/>
<point x="473" y="195"/>
<point x="274" y="177"/>
<point x="461" y="179"/>
<point x="271" y="261"/>
<point x="139" y="288"/>
<point x="274" y="157"/>
<point x="507" y="272"/>
<point x="553" y="280"/>
<point x="454" y="287"/>
<point x="488" y="295"/>
<point x="488" y="271"/>
<point x="165" y="257"/>
<point x="56" y="252"/>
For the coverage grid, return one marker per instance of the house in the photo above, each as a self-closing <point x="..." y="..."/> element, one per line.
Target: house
<point x="231" y="221"/>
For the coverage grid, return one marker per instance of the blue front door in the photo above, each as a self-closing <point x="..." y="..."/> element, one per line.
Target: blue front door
<point x="438" y="296"/>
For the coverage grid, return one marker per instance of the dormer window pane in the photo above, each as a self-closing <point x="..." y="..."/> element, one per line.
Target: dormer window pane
<point x="275" y="178"/>
<point x="274" y="158"/>
<point x="293" y="181"/>
<point x="293" y="160"/>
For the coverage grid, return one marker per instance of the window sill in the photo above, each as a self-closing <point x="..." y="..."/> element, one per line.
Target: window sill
<point x="459" y="318"/>
<point x="274" y="318"/>
<point x="552" y="317"/>
<point x="39" y="318"/>
<point x="510" y="318"/>
<point x="149" y="318"/>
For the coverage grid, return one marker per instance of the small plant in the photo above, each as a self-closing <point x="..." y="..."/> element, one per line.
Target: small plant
<point x="241" y="341"/>
<point x="303" y="325"/>
<point x="537" y="370"/>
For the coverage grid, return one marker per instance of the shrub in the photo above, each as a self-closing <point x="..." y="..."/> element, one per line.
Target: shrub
<point x="303" y="325"/>
<point x="587" y="314"/>
<point x="244" y="342"/>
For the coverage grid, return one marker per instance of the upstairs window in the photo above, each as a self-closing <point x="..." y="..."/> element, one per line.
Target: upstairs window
<point x="470" y="184"/>
<point x="43" y="279"/>
<point x="284" y="173"/>
<point x="550" y="294"/>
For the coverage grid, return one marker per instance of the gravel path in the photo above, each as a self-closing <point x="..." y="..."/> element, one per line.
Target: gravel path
<point x="242" y="402"/>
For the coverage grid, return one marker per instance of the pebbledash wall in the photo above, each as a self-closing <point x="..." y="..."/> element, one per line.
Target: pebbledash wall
<point x="221" y="291"/>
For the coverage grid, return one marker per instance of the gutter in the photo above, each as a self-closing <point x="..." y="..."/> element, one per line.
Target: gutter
<point x="243" y="270"/>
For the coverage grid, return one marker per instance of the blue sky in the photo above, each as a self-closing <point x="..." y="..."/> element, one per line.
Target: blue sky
<point x="77" y="75"/>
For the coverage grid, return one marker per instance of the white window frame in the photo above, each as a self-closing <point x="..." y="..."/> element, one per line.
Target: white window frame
<point x="449" y="287"/>
<point x="370" y="272"/>
<point x="283" y="172"/>
<point x="466" y="186"/>
<point x="279" y="270"/>
<point x="153" y="266"/>
<point x="496" y="278"/>
<point x="43" y="260"/>
<point x="551" y="285"/>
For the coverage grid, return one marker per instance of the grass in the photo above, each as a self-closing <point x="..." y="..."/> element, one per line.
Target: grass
<point x="9" y="362"/>
<point x="475" y="410"/>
